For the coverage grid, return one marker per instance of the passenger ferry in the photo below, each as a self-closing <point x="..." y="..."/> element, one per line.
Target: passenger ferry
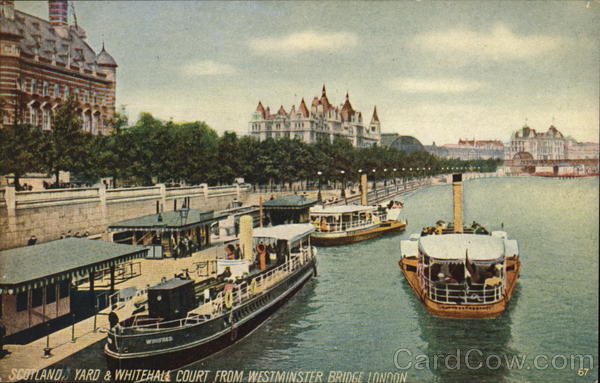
<point x="342" y="225"/>
<point x="461" y="271"/>
<point x="183" y="321"/>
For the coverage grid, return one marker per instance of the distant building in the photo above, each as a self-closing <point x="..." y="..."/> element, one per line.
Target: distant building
<point x="42" y="62"/>
<point x="550" y="145"/>
<point x="408" y="144"/>
<point x="321" y="121"/>
<point x="582" y="150"/>
<point x="469" y="149"/>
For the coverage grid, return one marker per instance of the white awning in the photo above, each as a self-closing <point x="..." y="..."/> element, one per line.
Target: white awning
<point x="457" y="246"/>
<point x="291" y="232"/>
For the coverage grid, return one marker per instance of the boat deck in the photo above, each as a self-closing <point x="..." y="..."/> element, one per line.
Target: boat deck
<point x="456" y="310"/>
<point x="344" y="238"/>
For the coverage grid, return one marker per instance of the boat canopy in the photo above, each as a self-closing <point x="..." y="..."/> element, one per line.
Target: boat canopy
<point x="457" y="247"/>
<point x="343" y="209"/>
<point x="290" y="233"/>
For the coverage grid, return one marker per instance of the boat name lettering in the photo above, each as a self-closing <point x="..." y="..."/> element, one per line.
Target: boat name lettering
<point x="164" y="339"/>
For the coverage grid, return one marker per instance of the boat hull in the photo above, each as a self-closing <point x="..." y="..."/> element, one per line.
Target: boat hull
<point x="169" y="360"/>
<point x="461" y="311"/>
<point x="338" y="239"/>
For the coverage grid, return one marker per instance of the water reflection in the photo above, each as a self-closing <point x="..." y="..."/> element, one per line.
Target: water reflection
<point x="273" y="342"/>
<point x="461" y="350"/>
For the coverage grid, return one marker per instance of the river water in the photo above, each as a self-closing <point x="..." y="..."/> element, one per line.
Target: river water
<point x="359" y="315"/>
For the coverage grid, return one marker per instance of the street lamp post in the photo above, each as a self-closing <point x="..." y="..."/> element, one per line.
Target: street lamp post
<point x="374" y="183"/>
<point x="385" y="178"/>
<point x="360" y="181"/>
<point x="395" y="182"/>
<point x="319" y="196"/>
<point x="343" y="172"/>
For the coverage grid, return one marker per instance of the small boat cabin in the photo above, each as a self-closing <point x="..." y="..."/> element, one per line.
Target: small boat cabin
<point x="346" y="217"/>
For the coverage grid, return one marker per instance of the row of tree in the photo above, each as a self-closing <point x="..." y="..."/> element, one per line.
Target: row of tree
<point x="152" y="150"/>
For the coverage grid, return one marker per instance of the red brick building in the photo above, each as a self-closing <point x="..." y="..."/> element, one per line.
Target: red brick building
<point x="44" y="61"/>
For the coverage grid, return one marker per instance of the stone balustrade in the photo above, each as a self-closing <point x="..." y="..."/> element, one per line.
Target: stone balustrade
<point x="49" y="213"/>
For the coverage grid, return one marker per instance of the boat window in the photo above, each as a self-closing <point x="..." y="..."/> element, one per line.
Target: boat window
<point x="63" y="289"/>
<point x="36" y="297"/>
<point x="51" y="293"/>
<point x="22" y="301"/>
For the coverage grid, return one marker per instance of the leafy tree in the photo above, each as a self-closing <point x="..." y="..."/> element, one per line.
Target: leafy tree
<point x="66" y="145"/>
<point x="20" y="147"/>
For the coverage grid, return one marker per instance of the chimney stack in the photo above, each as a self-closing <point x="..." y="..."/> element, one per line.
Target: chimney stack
<point x="58" y="12"/>
<point x="7" y="9"/>
<point x="457" y="202"/>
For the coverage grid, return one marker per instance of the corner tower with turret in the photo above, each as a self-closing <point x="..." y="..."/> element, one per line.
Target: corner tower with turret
<point x="42" y="62"/>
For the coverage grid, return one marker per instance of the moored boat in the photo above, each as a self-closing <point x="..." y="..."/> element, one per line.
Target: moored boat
<point x="460" y="271"/>
<point x="342" y="225"/>
<point x="184" y="321"/>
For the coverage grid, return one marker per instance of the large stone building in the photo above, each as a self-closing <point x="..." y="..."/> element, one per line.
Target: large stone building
<point x="469" y="149"/>
<point x="44" y="61"/>
<point x="550" y="145"/>
<point x="321" y="121"/>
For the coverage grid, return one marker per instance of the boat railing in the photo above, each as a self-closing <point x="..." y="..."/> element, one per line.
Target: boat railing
<point x="241" y="293"/>
<point x="462" y="293"/>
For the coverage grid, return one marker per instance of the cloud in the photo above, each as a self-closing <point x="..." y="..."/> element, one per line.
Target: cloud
<point x="434" y="85"/>
<point x="306" y="41"/>
<point x="207" y="68"/>
<point x="500" y="43"/>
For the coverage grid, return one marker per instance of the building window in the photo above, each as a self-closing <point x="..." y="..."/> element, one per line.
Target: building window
<point x="33" y="85"/>
<point x="22" y="301"/>
<point x="63" y="289"/>
<point x="37" y="296"/>
<point x="56" y="90"/>
<point x="66" y="91"/>
<point x="45" y="88"/>
<point x="46" y="123"/>
<point x="50" y="293"/>
<point x="33" y="117"/>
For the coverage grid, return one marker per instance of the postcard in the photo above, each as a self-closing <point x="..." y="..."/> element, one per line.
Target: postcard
<point x="299" y="192"/>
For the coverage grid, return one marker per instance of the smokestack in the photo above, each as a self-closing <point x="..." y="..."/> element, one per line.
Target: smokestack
<point x="58" y="12"/>
<point x="363" y="188"/>
<point x="246" y="237"/>
<point x="457" y="202"/>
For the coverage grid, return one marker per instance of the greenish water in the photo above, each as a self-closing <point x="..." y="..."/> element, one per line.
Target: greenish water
<point x="360" y="314"/>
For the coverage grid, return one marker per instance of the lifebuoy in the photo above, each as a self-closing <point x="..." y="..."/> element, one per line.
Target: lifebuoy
<point x="262" y="258"/>
<point x="253" y="287"/>
<point x="229" y="299"/>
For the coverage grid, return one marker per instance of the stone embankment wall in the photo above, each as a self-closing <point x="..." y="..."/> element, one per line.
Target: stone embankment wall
<point x="49" y="213"/>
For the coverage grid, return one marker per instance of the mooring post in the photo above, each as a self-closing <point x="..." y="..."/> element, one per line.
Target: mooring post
<point x="95" y="316"/>
<point x="47" y="349"/>
<point x="73" y="330"/>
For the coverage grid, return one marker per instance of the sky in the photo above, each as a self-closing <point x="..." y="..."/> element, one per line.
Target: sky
<point x="439" y="71"/>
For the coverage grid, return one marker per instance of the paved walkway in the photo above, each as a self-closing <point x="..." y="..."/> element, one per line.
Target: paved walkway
<point x="31" y="355"/>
